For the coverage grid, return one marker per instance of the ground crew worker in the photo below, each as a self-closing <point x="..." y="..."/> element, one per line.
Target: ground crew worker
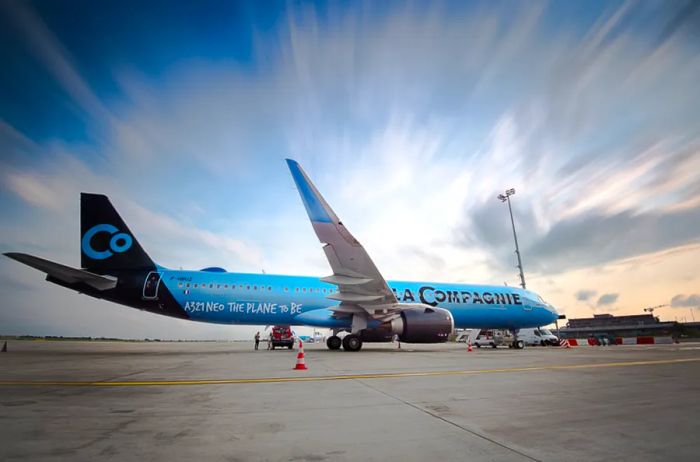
<point x="257" y="339"/>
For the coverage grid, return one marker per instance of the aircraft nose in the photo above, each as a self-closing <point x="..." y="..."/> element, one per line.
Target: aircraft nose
<point x="553" y="311"/>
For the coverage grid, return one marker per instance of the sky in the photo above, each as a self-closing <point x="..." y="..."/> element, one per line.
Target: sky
<point x="410" y="117"/>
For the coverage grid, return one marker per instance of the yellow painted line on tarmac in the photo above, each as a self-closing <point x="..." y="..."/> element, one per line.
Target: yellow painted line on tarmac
<point x="324" y="378"/>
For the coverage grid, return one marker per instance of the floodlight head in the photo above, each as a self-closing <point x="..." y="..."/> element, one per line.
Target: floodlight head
<point x="510" y="192"/>
<point x="502" y="197"/>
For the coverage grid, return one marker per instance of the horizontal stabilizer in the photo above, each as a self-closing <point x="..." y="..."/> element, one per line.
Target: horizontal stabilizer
<point x="65" y="273"/>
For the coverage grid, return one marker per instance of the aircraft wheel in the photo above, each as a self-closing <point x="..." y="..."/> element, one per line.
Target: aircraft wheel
<point x="352" y="342"/>
<point x="333" y="342"/>
<point x="518" y="345"/>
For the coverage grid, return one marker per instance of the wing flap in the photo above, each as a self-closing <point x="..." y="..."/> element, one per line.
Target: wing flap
<point x="345" y="280"/>
<point x="352" y="297"/>
<point x="65" y="273"/>
<point x="347" y="308"/>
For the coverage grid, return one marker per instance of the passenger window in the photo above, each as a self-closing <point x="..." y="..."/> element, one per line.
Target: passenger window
<point x="195" y="286"/>
<point x="269" y="288"/>
<point x="247" y="287"/>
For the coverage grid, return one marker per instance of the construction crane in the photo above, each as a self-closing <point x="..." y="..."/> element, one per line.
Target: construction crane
<point x="652" y="308"/>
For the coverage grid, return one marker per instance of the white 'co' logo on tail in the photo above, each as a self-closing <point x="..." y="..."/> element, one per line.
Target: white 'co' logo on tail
<point x="120" y="242"/>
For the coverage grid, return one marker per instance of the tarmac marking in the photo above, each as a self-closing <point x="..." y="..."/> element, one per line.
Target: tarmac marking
<point x="323" y="378"/>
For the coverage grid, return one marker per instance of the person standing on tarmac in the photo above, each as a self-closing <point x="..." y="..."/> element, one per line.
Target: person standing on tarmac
<point x="257" y="339"/>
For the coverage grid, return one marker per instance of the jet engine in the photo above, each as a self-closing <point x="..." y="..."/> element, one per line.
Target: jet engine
<point x="415" y="324"/>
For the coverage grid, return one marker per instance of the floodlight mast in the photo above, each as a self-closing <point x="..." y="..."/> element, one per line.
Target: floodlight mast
<point x="506" y="198"/>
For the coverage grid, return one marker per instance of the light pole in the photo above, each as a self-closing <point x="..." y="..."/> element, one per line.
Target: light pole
<point x="506" y="198"/>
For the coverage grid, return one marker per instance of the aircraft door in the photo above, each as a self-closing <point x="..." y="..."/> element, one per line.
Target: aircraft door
<point x="151" y="285"/>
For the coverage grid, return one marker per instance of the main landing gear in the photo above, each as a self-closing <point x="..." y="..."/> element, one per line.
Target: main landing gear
<point x="333" y="342"/>
<point x="350" y="342"/>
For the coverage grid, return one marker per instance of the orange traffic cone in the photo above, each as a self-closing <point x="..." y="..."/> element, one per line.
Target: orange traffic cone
<point x="301" y="364"/>
<point x="469" y="348"/>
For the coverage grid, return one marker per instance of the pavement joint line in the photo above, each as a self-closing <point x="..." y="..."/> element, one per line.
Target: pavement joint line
<point x="324" y="378"/>
<point x="451" y="423"/>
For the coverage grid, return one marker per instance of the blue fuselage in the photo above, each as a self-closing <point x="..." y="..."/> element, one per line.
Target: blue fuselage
<point x="259" y="299"/>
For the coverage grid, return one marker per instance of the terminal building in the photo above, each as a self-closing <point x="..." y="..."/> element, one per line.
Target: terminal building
<point x="638" y="325"/>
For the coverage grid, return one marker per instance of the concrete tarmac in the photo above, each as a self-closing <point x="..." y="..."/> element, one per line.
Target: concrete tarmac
<point x="224" y="401"/>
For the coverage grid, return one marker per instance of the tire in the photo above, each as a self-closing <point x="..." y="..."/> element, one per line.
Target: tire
<point x="519" y="344"/>
<point x="352" y="342"/>
<point x="334" y="342"/>
<point x="493" y="345"/>
<point x="477" y="345"/>
<point x="290" y="347"/>
<point x="273" y="347"/>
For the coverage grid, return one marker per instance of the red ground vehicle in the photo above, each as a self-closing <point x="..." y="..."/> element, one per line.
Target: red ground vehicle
<point x="282" y="336"/>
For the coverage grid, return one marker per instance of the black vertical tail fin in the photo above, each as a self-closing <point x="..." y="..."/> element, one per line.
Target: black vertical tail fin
<point x="106" y="243"/>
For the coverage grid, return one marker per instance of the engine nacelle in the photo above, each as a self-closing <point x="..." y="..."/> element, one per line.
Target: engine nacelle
<point x="424" y="324"/>
<point x="416" y="324"/>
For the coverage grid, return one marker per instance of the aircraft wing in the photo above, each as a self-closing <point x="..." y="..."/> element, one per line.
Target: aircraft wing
<point x="65" y="273"/>
<point x="361" y="288"/>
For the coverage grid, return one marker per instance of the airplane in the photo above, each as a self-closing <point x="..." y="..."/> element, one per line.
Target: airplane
<point x="355" y="298"/>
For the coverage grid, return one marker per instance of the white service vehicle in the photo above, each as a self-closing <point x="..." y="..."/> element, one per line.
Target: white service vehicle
<point x="537" y="336"/>
<point x="494" y="338"/>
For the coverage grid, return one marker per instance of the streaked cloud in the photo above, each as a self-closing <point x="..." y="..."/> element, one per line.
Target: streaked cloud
<point x="49" y="50"/>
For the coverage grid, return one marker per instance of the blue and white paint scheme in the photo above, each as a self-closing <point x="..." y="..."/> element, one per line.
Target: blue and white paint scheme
<point x="354" y="298"/>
